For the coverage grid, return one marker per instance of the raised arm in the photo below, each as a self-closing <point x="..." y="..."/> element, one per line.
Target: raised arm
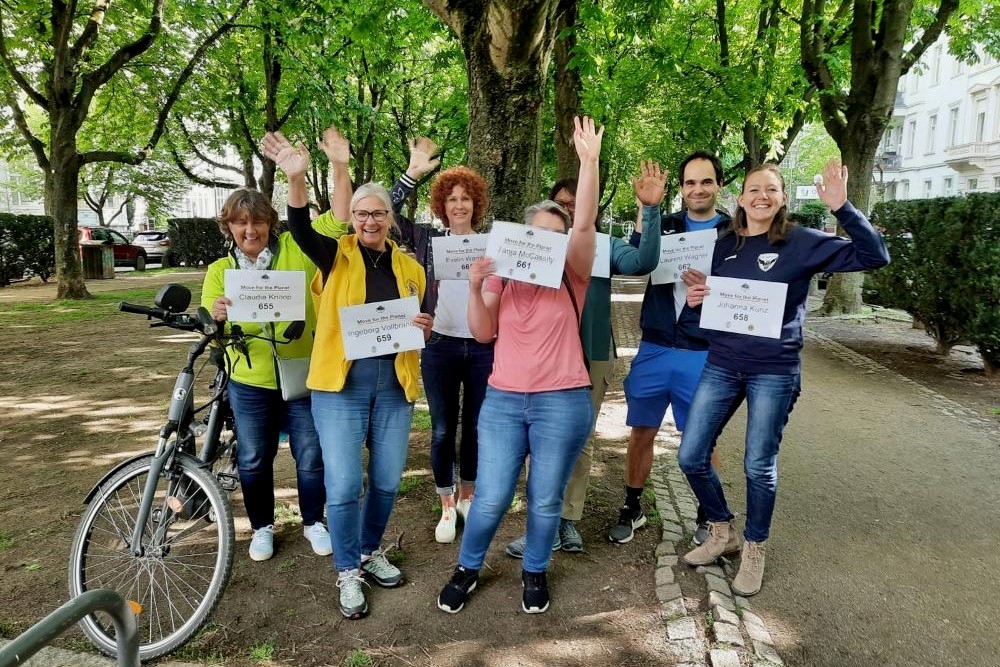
<point x="580" y="254"/>
<point x="649" y="189"/>
<point x="338" y="152"/>
<point x="866" y="247"/>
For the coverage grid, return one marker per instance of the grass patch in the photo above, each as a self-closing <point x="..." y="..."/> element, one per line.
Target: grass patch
<point x="9" y="629"/>
<point x="287" y="565"/>
<point x="6" y="541"/>
<point x="996" y="411"/>
<point x="262" y="651"/>
<point x="653" y="513"/>
<point x="358" y="658"/>
<point x="396" y="557"/>
<point x="33" y="567"/>
<point x="408" y="484"/>
<point x="421" y="420"/>
<point x="101" y="305"/>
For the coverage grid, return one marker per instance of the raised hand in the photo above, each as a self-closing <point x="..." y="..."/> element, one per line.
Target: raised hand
<point x="292" y="160"/>
<point x="651" y="183"/>
<point x="587" y="139"/>
<point x="479" y="270"/>
<point x="833" y="187"/>
<point x="422" y="160"/>
<point x="336" y="146"/>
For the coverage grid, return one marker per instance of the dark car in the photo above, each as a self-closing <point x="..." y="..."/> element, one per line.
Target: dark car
<point x="126" y="254"/>
<point x="156" y="244"/>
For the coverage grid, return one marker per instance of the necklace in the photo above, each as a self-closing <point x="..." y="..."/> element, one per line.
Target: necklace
<point x="368" y="253"/>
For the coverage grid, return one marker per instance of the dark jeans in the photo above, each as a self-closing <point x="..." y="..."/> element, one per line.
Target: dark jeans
<point x="260" y="415"/>
<point x="455" y="371"/>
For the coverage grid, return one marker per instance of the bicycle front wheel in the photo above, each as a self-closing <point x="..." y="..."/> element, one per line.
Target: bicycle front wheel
<point x="176" y="581"/>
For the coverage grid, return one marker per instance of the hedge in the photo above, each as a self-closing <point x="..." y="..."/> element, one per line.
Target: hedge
<point x="195" y="241"/>
<point x="26" y="243"/>
<point x="945" y="268"/>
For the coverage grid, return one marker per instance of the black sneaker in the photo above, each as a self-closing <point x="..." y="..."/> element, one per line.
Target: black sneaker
<point x="456" y="592"/>
<point x="628" y="520"/>
<point x="535" y="598"/>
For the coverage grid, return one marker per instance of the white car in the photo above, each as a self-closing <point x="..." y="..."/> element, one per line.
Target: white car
<point x="156" y="243"/>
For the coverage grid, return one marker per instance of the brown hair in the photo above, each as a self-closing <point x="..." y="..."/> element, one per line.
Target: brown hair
<point x="781" y="223"/>
<point x="246" y="201"/>
<point x="474" y="185"/>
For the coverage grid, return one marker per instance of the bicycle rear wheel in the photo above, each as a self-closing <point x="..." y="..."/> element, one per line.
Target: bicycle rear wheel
<point x="188" y="542"/>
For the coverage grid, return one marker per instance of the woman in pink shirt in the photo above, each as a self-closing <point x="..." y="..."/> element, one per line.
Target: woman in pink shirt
<point x="538" y="399"/>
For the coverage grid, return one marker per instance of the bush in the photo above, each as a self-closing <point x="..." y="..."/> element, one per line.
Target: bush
<point x="26" y="244"/>
<point x="195" y="241"/>
<point x="811" y="214"/>
<point x="945" y="268"/>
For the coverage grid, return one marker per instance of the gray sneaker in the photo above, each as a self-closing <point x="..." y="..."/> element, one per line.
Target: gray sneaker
<point x="515" y="549"/>
<point x="700" y="534"/>
<point x="628" y="521"/>
<point x="572" y="540"/>
<point x="352" y="595"/>
<point x="381" y="571"/>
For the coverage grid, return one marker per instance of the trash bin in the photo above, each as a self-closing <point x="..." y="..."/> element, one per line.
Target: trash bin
<point x="98" y="259"/>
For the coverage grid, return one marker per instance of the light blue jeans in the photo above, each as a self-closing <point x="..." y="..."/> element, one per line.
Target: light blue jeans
<point x="770" y="399"/>
<point x="372" y="406"/>
<point x="549" y="426"/>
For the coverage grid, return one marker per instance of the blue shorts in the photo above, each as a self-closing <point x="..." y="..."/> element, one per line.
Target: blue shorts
<point x="661" y="376"/>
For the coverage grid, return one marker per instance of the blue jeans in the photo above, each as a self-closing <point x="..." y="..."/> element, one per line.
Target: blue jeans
<point x="770" y="399"/>
<point x="551" y="427"/>
<point x="260" y="415"/>
<point x="455" y="371"/>
<point x="371" y="405"/>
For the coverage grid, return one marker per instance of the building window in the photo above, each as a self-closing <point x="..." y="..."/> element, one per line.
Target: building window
<point x="953" y="126"/>
<point x="904" y="189"/>
<point x="911" y="137"/>
<point x="927" y="189"/>
<point x="948" y="187"/>
<point x="996" y="183"/>
<point x="936" y="66"/>
<point x="973" y="183"/>
<point x="980" y="120"/>
<point x="931" y="131"/>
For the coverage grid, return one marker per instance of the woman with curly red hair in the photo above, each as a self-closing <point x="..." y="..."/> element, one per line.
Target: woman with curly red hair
<point x="454" y="366"/>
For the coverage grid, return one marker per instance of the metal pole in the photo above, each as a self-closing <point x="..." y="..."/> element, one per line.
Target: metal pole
<point x="42" y="633"/>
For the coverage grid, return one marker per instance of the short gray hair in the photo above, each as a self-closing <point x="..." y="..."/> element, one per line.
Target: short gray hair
<point x="379" y="191"/>
<point x="548" y="206"/>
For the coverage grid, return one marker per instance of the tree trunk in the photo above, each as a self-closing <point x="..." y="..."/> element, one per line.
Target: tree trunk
<point x="61" y="199"/>
<point x="567" y="91"/>
<point x="843" y="292"/>
<point x="507" y="45"/>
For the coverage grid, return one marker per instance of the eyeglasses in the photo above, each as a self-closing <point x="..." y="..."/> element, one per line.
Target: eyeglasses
<point x="378" y="215"/>
<point x="567" y="203"/>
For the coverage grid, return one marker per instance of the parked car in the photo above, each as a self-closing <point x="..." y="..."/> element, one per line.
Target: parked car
<point x="156" y="244"/>
<point x="126" y="254"/>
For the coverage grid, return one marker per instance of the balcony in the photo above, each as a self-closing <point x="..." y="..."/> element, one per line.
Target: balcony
<point x="971" y="156"/>
<point x="889" y="160"/>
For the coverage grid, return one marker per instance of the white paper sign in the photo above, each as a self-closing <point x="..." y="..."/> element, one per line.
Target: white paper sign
<point x="528" y="254"/>
<point x="383" y="327"/>
<point x="454" y="253"/>
<point x="265" y="296"/>
<point x="602" y="255"/>
<point x="751" y="307"/>
<point x="680" y="252"/>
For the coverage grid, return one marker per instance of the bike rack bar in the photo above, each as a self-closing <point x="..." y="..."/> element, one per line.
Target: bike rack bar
<point x="42" y="633"/>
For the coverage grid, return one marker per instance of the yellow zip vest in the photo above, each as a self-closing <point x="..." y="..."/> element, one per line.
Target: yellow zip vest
<point x="345" y="286"/>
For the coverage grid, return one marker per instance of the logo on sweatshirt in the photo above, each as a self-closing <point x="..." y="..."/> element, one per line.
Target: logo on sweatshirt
<point x="767" y="260"/>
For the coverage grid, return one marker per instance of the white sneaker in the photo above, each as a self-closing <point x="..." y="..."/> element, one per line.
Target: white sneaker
<point x="445" y="531"/>
<point x="319" y="538"/>
<point x="262" y="543"/>
<point x="462" y="507"/>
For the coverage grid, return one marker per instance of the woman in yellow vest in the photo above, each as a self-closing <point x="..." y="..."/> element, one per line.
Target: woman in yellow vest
<point x="368" y="398"/>
<point x="249" y="221"/>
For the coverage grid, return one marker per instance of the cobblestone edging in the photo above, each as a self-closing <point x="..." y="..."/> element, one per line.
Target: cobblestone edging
<point x="942" y="404"/>
<point x="736" y="636"/>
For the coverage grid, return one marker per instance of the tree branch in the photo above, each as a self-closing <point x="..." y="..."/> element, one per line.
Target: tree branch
<point x="36" y="145"/>
<point x="200" y="180"/>
<point x="198" y="154"/>
<point x="16" y="75"/>
<point x="90" y="31"/>
<point x="930" y="34"/>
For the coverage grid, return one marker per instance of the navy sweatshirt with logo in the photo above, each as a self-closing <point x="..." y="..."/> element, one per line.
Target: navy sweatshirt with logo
<point x="803" y="253"/>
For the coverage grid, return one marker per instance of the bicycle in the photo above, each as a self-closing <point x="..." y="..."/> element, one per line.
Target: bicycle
<point x="158" y="528"/>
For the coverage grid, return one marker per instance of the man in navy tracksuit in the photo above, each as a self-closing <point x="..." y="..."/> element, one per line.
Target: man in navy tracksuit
<point x="673" y="349"/>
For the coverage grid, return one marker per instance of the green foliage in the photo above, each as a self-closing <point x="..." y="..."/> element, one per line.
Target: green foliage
<point x="421" y="419"/>
<point x="945" y="268"/>
<point x="263" y="651"/>
<point x="811" y="214"/>
<point x="26" y="243"/>
<point x="195" y="241"/>
<point x="358" y="658"/>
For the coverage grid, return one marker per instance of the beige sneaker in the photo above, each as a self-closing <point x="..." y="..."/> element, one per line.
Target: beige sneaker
<point x="748" y="579"/>
<point x="445" y="531"/>
<point x="722" y="539"/>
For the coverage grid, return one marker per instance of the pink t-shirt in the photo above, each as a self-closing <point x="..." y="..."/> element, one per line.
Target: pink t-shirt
<point x="538" y="336"/>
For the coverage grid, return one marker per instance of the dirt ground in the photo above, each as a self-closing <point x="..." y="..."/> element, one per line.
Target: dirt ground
<point x="80" y="393"/>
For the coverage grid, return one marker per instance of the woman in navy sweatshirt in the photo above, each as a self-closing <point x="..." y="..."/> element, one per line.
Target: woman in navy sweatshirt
<point x="763" y="245"/>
